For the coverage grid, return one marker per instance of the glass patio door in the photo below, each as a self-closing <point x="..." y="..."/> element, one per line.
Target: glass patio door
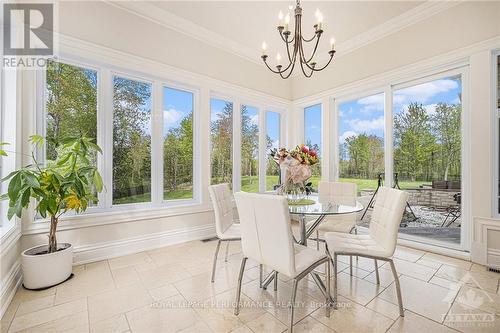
<point x="427" y="159"/>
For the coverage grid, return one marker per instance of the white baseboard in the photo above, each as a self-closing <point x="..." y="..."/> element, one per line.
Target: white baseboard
<point x="9" y="287"/>
<point x="101" y="251"/>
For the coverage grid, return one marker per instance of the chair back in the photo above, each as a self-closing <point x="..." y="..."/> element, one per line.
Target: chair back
<point x="338" y="192"/>
<point x="387" y="213"/>
<point x="266" y="233"/>
<point x="222" y="201"/>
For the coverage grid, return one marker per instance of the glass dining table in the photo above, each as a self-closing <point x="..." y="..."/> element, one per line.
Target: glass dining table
<point x="317" y="208"/>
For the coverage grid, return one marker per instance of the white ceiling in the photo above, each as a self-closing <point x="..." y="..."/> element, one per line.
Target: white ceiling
<point x="251" y="22"/>
<point x="240" y="27"/>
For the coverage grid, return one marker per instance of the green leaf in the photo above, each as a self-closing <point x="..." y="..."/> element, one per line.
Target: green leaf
<point x="25" y="197"/>
<point x="11" y="212"/>
<point x="31" y="180"/>
<point x="15" y="186"/>
<point x="36" y="140"/>
<point x="97" y="181"/>
<point x="8" y="176"/>
<point x="42" y="208"/>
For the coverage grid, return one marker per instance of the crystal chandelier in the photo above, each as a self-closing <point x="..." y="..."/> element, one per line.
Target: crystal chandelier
<point x="307" y="64"/>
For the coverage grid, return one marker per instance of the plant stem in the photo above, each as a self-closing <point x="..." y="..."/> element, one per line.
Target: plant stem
<point x="52" y="234"/>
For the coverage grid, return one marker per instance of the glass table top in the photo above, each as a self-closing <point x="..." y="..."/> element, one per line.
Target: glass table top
<point x="324" y="206"/>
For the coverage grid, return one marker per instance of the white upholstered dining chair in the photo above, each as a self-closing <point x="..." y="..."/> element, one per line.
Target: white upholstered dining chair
<point x="379" y="243"/>
<point x="226" y="225"/>
<point x="266" y="237"/>
<point x="337" y="192"/>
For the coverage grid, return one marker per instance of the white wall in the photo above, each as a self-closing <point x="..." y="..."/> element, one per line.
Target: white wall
<point x="109" y="26"/>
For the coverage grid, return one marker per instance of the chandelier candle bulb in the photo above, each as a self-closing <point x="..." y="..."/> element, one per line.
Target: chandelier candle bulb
<point x="295" y="45"/>
<point x="264" y="48"/>
<point x="287" y="21"/>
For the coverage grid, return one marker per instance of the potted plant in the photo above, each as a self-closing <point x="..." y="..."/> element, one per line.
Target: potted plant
<point x="68" y="183"/>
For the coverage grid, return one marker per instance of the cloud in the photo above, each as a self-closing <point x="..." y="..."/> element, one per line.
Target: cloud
<point x="372" y="103"/>
<point x="171" y="116"/>
<point x="345" y="135"/>
<point x="361" y="125"/>
<point x="422" y="93"/>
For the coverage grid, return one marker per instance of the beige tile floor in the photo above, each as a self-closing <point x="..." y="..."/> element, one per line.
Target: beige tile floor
<point x="169" y="290"/>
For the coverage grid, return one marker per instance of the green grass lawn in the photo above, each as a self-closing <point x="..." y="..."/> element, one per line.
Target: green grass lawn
<point x="251" y="184"/>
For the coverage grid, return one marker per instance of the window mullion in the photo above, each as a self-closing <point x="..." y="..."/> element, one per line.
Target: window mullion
<point x="106" y="103"/>
<point x="262" y="149"/>
<point x="388" y="135"/>
<point x="236" y="146"/>
<point x="156" y="145"/>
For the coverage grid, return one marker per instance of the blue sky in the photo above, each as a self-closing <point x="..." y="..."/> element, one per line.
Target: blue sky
<point x="216" y="107"/>
<point x="366" y="115"/>
<point x="312" y="124"/>
<point x="273" y="127"/>
<point x="177" y="104"/>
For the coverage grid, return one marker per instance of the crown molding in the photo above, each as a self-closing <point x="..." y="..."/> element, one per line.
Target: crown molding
<point x="171" y="21"/>
<point x="174" y="22"/>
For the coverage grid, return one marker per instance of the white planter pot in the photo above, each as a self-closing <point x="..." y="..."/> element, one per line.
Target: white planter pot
<point x="47" y="269"/>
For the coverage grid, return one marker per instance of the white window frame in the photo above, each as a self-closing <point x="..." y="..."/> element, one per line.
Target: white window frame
<point x="302" y="132"/>
<point x="263" y="187"/>
<point x="105" y="75"/>
<point x="335" y="149"/>
<point x="196" y="144"/>
<point x="389" y="88"/>
<point x="154" y="152"/>
<point x="263" y="106"/>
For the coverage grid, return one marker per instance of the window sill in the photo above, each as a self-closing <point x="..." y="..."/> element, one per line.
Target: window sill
<point x="115" y="216"/>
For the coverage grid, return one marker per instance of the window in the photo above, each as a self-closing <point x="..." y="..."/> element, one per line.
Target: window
<point x="249" y="149"/>
<point x="361" y="141"/>
<point x="221" y="138"/>
<point x="131" y="141"/>
<point x="312" y="137"/>
<point x="427" y="155"/>
<point x="71" y="104"/>
<point x="273" y="132"/>
<point x="177" y="144"/>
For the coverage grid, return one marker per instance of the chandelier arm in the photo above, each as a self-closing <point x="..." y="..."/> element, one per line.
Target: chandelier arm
<point x="284" y="39"/>
<point x="272" y="70"/>
<point x="328" y="63"/>
<point x="315" y="49"/>
<point x="310" y="39"/>
<point x="304" y="72"/>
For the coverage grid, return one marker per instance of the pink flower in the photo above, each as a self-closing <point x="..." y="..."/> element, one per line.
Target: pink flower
<point x="312" y="153"/>
<point x="304" y="149"/>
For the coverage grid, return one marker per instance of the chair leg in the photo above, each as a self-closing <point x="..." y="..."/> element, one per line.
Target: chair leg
<point x="317" y="239"/>
<point x="238" y="290"/>
<point x="335" y="280"/>
<point x="260" y="275"/>
<point x="356" y="232"/>
<point x="398" y="288"/>
<point x="292" y="304"/>
<point x="275" y="281"/>
<point x="376" y="272"/>
<point x="227" y="251"/>
<point x="327" y="307"/>
<point x="350" y="265"/>
<point x="215" y="259"/>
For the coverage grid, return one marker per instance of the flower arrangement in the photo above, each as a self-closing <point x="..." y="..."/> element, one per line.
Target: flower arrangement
<point x="295" y="166"/>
